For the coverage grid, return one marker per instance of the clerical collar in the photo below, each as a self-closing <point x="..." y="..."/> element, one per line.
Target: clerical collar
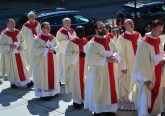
<point x="149" y="35"/>
<point x="45" y="34"/>
<point x="10" y="29"/>
<point x="129" y="33"/>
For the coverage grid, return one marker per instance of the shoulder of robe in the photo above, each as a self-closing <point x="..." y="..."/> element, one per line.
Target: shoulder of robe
<point x="95" y="45"/>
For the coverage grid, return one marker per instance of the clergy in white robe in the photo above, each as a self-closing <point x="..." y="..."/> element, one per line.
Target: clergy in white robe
<point x="13" y="46"/>
<point x="74" y="67"/>
<point x="45" y="64"/>
<point x="62" y="37"/>
<point x="127" y="45"/>
<point x="148" y="72"/>
<point x="101" y="87"/>
<point x="2" y="63"/>
<point x="29" y="30"/>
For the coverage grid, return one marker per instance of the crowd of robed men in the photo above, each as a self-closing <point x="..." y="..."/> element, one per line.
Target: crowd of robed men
<point x="100" y="73"/>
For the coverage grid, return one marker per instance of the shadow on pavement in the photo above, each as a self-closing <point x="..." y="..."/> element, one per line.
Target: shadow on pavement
<point x="46" y="107"/>
<point x="11" y="96"/>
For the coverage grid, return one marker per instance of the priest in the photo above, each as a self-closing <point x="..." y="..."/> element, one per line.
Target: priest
<point x="148" y="72"/>
<point x="127" y="44"/>
<point x="62" y="37"/>
<point x="29" y="30"/>
<point x="101" y="86"/>
<point x="74" y="67"/>
<point x="13" y="46"/>
<point x="45" y="64"/>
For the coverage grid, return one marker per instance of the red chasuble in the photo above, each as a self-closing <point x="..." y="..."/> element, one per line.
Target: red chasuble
<point x="154" y="92"/>
<point x="113" y="92"/>
<point x="50" y="61"/>
<point x="133" y="38"/>
<point x="32" y="27"/>
<point x="65" y="32"/>
<point x="81" y="43"/>
<point x="13" y="36"/>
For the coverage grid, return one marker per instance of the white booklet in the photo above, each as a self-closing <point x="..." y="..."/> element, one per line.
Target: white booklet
<point x="49" y="44"/>
<point x="116" y="55"/>
<point x="16" y="49"/>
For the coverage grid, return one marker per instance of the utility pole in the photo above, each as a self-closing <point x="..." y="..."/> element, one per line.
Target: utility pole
<point x="135" y="1"/>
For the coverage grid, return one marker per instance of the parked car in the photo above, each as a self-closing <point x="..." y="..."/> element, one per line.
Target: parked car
<point x="143" y="13"/>
<point x="55" y="16"/>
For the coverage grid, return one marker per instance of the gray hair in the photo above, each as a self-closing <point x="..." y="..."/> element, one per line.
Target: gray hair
<point x="30" y="13"/>
<point x="66" y="19"/>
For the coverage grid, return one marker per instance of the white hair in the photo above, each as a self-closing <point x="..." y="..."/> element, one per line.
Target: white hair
<point x="66" y="19"/>
<point x="30" y="13"/>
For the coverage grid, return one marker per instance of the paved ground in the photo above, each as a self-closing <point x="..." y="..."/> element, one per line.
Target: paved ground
<point x="22" y="102"/>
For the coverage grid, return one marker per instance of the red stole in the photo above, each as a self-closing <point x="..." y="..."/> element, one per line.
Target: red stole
<point x="113" y="92"/>
<point x="19" y="63"/>
<point x="50" y="61"/>
<point x="65" y="32"/>
<point x="32" y="27"/>
<point x="133" y="38"/>
<point x="109" y="36"/>
<point x="81" y="43"/>
<point x="154" y="92"/>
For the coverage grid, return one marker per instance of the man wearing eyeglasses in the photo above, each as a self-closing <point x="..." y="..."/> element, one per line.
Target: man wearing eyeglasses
<point x="101" y="92"/>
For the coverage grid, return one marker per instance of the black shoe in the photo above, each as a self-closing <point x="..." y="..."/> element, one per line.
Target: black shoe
<point x="13" y="86"/>
<point x="97" y="114"/>
<point x="29" y="85"/>
<point x="77" y="106"/>
<point x="163" y="114"/>
<point x="60" y="84"/>
<point x="46" y="98"/>
<point x="108" y="114"/>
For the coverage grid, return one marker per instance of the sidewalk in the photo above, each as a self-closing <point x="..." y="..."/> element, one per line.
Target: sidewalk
<point x="22" y="102"/>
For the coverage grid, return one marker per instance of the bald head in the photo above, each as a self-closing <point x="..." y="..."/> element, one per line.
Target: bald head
<point x="128" y="21"/>
<point x="129" y="25"/>
<point x="66" y="23"/>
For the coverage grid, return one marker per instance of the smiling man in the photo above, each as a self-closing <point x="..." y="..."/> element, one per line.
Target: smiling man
<point x="45" y="64"/>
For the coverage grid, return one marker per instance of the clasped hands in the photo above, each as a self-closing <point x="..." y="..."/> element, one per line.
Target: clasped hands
<point x="13" y="46"/>
<point x="51" y="50"/>
<point x="111" y="59"/>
